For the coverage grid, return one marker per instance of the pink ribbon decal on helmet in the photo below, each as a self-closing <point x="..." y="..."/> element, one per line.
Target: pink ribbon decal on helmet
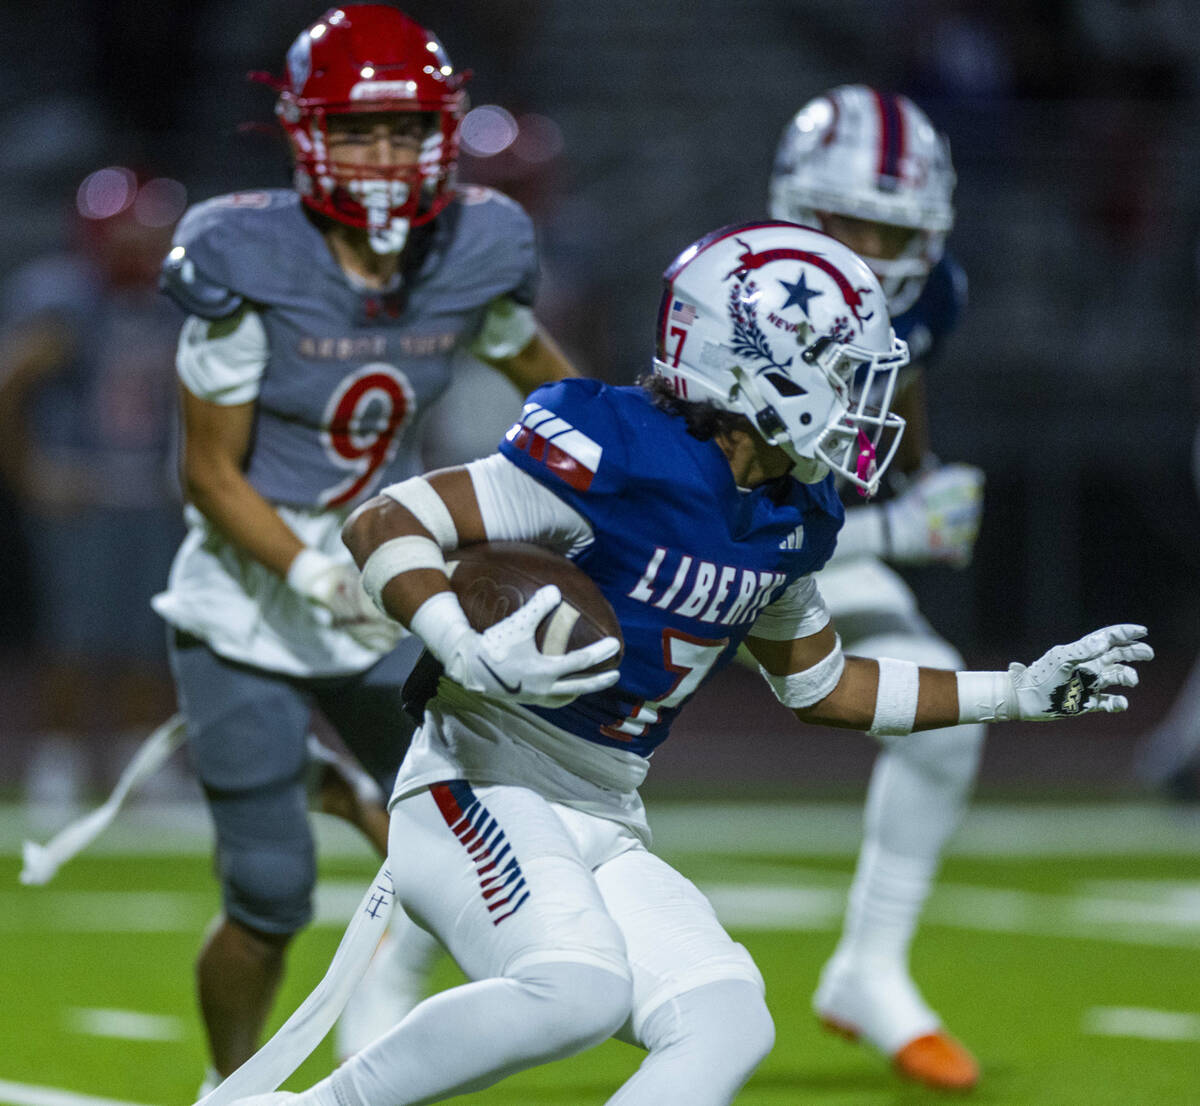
<point x="864" y="468"/>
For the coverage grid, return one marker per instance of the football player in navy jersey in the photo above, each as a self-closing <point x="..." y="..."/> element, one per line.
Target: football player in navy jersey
<point x="322" y="324"/>
<point x="701" y="503"/>
<point x="868" y="168"/>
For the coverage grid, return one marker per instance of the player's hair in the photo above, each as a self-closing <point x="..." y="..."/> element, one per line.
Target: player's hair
<point x="704" y="419"/>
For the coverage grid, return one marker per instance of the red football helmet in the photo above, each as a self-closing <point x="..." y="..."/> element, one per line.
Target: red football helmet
<point x="371" y="58"/>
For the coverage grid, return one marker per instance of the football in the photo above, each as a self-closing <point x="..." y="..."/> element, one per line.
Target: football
<point x="493" y="579"/>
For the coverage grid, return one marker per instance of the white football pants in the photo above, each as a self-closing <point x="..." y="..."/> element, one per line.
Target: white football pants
<point x="571" y="932"/>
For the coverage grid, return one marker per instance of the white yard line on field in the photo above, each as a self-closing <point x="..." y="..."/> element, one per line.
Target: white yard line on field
<point x="126" y="1025"/>
<point x="1120" y="911"/>
<point x="103" y="911"/>
<point x="1136" y="1021"/>
<point x="793" y="828"/>
<point x="1079" y="915"/>
<point x="28" y="1094"/>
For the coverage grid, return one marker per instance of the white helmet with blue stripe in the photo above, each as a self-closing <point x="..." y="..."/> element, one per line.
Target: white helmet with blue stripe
<point x="873" y="156"/>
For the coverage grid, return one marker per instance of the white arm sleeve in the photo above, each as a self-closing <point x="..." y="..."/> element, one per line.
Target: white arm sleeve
<point x="515" y="507"/>
<point x="798" y="612"/>
<point x="507" y="329"/>
<point x="222" y="361"/>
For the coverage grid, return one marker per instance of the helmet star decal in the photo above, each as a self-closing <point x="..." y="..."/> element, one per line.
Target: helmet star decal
<point x="853" y="296"/>
<point x="800" y="293"/>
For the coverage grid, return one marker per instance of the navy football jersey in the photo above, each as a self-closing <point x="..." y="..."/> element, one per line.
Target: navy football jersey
<point x="935" y="314"/>
<point x="350" y="371"/>
<point x="685" y="557"/>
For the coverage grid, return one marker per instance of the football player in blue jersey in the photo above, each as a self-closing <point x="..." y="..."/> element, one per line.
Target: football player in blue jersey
<point x="701" y="503"/>
<point x="322" y="323"/>
<point x="868" y="168"/>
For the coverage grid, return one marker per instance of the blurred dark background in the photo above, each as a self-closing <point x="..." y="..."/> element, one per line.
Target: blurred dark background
<point x="1073" y="126"/>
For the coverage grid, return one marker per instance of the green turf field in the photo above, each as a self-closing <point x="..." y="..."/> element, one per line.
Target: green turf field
<point x="1063" y="946"/>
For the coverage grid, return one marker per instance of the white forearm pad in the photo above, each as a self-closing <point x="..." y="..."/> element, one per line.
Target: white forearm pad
<point x="425" y="505"/>
<point x="440" y="622"/>
<point x="986" y="697"/>
<point x="896" y="699"/>
<point x="802" y="689"/>
<point x="395" y="556"/>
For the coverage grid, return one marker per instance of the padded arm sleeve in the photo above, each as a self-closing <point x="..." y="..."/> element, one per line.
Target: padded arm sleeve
<point x="798" y="612"/>
<point x="223" y="361"/>
<point x="515" y="507"/>
<point x="508" y="327"/>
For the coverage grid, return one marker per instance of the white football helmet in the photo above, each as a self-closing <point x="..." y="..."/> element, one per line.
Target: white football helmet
<point x="785" y="325"/>
<point x="874" y="156"/>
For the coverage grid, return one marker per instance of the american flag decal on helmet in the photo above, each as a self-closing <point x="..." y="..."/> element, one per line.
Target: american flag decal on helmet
<point x="569" y="453"/>
<point x="682" y="312"/>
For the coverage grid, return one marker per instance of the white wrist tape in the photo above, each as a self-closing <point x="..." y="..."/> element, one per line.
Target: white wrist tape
<point x="440" y="622"/>
<point x="395" y="556"/>
<point x="427" y="507"/>
<point x="802" y="689"/>
<point x="986" y="697"/>
<point x="896" y="699"/>
<point x="306" y="566"/>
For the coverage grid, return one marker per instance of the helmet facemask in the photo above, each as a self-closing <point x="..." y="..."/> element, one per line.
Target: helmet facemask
<point x="383" y="200"/>
<point x="844" y="436"/>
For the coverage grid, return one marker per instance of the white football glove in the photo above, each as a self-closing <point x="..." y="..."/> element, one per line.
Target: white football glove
<point x="1068" y="680"/>
<point x="337" y="587"/>
<point x="504" y="661"/>
<point x="936" y="519"/>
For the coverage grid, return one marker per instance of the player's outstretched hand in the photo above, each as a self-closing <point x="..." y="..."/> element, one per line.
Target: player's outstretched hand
<point x="936" y="519"/>
<point x="505" y="661"/>
<point x="1071" y="679"/>
<point x="337" y="587"/>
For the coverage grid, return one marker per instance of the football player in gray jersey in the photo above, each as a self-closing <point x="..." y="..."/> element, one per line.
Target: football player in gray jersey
<point x="323" y="322"/>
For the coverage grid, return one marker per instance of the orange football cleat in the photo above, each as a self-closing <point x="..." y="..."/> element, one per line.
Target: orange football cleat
<point x="937" y="1060"/>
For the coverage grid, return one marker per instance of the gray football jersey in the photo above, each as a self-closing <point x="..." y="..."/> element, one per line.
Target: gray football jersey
<point x="350" y="372"/>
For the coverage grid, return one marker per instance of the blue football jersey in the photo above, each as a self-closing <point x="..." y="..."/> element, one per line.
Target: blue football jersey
<point x="685" y="557"/>
<point x="935" y="314"/>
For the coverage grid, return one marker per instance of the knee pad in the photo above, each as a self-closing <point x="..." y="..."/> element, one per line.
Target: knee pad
<point x="266" y="877"/>
<point x="585" y="1004"/>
